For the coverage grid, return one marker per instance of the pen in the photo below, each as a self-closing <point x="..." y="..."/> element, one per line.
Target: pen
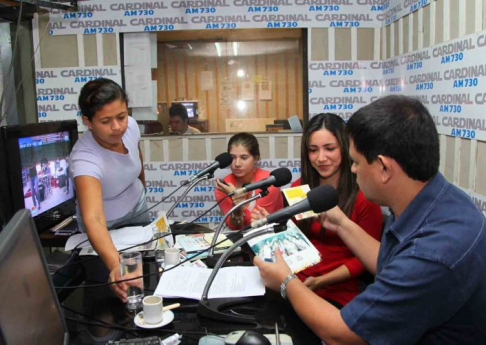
<point x="171" y="306"/>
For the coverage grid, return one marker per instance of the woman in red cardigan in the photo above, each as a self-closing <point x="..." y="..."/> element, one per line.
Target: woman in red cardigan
<point x="325" y="160"/>
<point x="245" y="151"/>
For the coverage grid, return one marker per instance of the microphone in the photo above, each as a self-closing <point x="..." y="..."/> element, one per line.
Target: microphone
<point x="278" y="178"/>
<point x="221" y="161"/>
<point x="319" y="199"/>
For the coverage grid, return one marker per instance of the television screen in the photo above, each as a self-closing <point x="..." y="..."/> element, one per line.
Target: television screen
<point x="45" y="171"/>
<point x="34" y="171"/>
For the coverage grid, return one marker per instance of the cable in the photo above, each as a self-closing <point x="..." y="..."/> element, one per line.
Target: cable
<point x="148" y="274"/>
<point x="12" y="61"/>
<point x="105" y="324"/>
<point x="179" y="232"/>
<point x="192" y="221"/>
<point x="129" y="330"/>
<point x="95" y="257"/>
<point x="94" y="319"/>
<point x="157" y="204"/>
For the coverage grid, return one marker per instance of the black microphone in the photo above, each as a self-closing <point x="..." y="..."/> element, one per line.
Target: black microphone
<point x="278" y="178"/>
<point x="222" y="161"/>
<point x="319" y="199"/>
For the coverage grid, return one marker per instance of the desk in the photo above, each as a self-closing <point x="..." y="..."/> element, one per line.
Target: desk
<point x="101" y="304"/>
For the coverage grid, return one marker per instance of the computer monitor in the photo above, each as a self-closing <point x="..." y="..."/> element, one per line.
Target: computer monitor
<point x="30" y="312"/>
<point x="192" y="109"/>
<point x="34" y="171"/>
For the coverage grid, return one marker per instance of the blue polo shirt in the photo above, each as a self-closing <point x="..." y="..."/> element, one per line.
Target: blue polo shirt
<point x="430" y="285"/>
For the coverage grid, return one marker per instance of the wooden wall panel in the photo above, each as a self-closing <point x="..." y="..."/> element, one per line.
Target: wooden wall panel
<point x="178" y="77"/>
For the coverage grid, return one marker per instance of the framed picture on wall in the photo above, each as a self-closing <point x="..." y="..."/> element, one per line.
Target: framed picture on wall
<point x="247" y="91"/>
<point x="265" y="91"/>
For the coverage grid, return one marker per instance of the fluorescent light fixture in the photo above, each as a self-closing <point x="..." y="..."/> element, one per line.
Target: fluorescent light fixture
<point x="235" y="48"/>
<point x="241" y="105"/>
<point x="218" y="48"/>
<point x="240" y="73"/>
<point x="190" y="47"/>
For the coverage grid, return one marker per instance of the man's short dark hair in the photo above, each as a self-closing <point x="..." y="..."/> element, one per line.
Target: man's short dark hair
<point x="96" y="93"/>
<point x="401" y="128"/>
<point x="178" y="109"/>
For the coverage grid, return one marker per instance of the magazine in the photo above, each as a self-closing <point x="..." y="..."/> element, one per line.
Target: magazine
<point x="294" y="195"/>
<point x="298" y="252"/>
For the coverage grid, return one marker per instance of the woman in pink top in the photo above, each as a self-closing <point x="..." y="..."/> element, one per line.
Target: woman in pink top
<point x="245" y="151"/>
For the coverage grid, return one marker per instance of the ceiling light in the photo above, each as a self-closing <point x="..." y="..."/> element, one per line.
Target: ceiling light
<point x="235" y="48"/>
<point x="240" y="73"/>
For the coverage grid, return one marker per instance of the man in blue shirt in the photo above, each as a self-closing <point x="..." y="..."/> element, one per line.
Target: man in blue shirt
<point x="430" y="283"/>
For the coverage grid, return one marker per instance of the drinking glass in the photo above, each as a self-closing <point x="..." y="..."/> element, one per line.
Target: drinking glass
<point x="131" y="267"/>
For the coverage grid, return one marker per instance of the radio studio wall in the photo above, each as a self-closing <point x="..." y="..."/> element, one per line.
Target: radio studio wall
<point x="447" y="76"/>
<point x="162" y="178"/>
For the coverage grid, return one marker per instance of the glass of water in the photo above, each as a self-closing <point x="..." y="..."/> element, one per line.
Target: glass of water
<point x="131" y="267"/>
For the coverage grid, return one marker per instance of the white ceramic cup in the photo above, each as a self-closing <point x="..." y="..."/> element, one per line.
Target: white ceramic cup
<point x="153" y="309"/>
<point x="172" y="256"/>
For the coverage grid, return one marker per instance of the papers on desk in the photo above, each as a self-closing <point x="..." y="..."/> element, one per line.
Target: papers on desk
<point x="122" y="238"/>
<point x="189" y="282"/>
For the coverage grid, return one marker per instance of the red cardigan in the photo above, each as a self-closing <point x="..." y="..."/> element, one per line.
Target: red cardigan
<point x="335" y="253"/>
<point x="272" y="202"/>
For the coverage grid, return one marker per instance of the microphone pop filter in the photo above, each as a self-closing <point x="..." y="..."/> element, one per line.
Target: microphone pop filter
<point x="282" y="176"/>
<point x="224" y="160"/>
<point x="322" y="198"/>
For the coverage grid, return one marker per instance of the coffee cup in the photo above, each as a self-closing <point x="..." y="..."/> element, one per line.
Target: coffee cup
<point x="172" y="256"/>
<point x="152" y="310"/>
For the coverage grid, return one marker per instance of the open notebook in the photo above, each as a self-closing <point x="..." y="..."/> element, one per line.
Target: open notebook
<point x="30" y="312"/>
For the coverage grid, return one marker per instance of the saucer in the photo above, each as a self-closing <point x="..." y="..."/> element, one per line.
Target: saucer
<point x="168" y="318"/>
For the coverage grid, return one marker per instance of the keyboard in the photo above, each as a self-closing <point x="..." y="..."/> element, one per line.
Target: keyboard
<point x="137" y="341"/>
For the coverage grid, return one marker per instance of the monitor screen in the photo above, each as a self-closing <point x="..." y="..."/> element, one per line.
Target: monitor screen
<point x="191" y="106"/>
<point x="34" y="171"/>
<point x="30" y="312"/>
<point x="45" y="171"/>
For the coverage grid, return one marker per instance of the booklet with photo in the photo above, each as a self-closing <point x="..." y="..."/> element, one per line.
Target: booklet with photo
<point x="195" y="243"/>
<point x="294" y="195"/>
<point x="298" y="252"/>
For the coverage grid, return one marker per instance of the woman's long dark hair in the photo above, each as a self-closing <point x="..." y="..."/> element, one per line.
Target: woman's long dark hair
<point x="347" y="186"/>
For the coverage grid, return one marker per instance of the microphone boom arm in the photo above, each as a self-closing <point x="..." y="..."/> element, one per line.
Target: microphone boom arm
<point x="262" y="194"/>
<point x="265" y="230"/>
<point x="195" y="182"/>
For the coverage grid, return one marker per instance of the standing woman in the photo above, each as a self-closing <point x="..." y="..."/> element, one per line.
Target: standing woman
<point x="107" y="167"/>
<point x="325" y="160"/>
<point x="244" y="149"/>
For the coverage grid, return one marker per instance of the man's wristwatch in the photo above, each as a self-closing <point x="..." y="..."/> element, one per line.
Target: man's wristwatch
<point x="283" y="287"/>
